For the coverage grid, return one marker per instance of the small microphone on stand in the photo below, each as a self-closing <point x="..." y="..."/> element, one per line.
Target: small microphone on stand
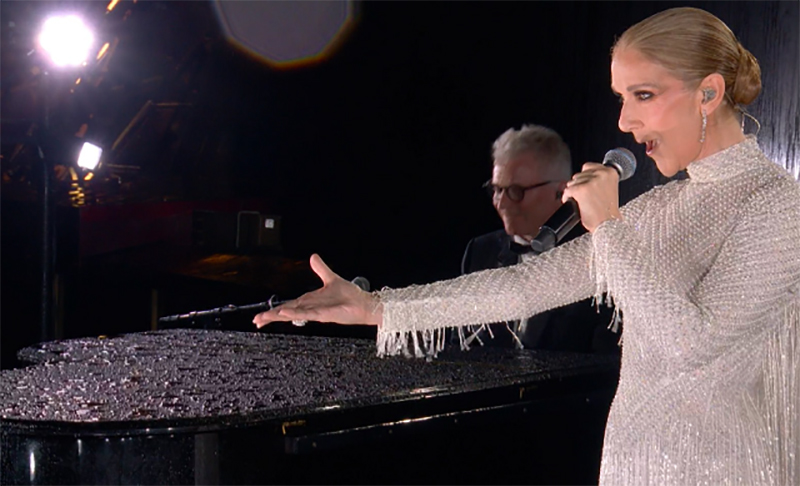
<point x="567" y="216"/>
<point x="361" y="283"/>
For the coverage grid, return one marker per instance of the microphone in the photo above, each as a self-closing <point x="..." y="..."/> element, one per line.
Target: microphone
<point x="567" y="216"/>
<point x="362" y="283"/>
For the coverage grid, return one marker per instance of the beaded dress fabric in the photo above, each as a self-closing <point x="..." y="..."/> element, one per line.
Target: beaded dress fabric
<point x="706" y="272"/>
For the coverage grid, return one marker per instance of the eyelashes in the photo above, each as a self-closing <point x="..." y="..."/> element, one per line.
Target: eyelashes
<point x="638" y="95"/>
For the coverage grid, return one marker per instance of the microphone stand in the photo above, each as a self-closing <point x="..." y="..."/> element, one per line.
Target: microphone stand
<point x="273" y="302"/>
<point x="218" y="312"/>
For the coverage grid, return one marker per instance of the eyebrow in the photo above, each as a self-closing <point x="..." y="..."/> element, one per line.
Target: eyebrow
<point x="639" y="86"/>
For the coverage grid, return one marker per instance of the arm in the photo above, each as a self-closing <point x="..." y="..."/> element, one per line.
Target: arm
<point x="751" y="278"/>
<point x="415" y="316"/>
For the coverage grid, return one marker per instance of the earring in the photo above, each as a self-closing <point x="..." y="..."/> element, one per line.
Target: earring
<point x="703" y="129"/>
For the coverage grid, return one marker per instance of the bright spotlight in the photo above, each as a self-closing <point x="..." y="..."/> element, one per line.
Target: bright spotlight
<point x="66" y="40"/>
<point x="89" y="156"/>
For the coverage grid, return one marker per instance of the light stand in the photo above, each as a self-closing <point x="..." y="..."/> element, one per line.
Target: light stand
<point x="66" y="41"/>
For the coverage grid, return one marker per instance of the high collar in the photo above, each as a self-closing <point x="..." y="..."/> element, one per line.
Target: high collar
<point x="727" y="163"/>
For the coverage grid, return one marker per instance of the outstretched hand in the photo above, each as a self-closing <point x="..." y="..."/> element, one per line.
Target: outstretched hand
<point x="337" y="301"/>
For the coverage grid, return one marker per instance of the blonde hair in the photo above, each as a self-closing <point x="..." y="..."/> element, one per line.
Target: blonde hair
<point x="692" y="43"/>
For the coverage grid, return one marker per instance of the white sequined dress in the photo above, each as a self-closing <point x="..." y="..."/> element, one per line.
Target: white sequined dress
<point x="706" y="272"/>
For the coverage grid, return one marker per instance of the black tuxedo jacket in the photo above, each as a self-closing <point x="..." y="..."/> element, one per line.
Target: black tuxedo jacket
<point x="575" y="327"/>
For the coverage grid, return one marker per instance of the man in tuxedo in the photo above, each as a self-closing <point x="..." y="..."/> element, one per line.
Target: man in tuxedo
<point x="531" y="168"/>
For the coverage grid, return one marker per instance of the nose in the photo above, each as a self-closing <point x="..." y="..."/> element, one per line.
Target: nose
<point x="627" y="122"/>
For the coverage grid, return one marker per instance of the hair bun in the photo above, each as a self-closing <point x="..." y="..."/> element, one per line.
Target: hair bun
<point x="748" y="78"/>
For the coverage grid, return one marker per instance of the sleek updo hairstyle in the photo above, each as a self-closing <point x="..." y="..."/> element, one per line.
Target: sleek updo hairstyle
<point x="692" y="43"/>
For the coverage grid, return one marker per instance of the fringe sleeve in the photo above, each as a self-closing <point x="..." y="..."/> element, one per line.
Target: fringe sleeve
<point x="415" y="317"/>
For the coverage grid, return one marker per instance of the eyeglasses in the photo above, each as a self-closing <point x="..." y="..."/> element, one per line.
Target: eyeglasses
<point x="514" y="192"/>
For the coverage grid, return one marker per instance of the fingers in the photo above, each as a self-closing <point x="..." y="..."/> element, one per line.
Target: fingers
<point x="590" y="166"/>
<point x="312" y="306"/>
<point x="322" y="270"/>
<point x="306" y="308"/>
<point x="595" y="190"/>
<point x="272" y="315"/>
<point x="593" y="171"/>
<point x="300" y="314"/>
<point x="285" y="313"/>
<point x="575" y="184"/>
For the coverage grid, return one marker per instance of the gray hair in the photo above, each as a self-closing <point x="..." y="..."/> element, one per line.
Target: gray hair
<point x="536" y="139"/>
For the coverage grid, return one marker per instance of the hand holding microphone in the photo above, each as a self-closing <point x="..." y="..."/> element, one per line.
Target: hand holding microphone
<point x="591" y="197"/>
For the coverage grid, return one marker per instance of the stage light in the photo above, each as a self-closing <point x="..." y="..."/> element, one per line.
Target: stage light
<point x="66" y="39"/>
<point x="89" y="157"/>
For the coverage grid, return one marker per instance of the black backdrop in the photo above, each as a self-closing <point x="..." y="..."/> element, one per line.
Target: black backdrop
<point x="375" y="157"/>
<point x="378" y="155"/>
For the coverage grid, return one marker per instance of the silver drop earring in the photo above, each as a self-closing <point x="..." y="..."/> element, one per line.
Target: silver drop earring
<point x="703" y="129"/>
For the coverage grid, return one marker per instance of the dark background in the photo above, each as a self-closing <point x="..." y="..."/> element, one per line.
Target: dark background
<point x="373" y="157"/>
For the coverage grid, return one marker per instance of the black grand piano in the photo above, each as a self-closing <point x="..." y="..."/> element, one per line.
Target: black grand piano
<point x="202" y="147"/>
<point x="222" y="407"/>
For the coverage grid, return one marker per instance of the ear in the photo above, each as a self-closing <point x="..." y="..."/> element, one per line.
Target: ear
<point x="711" y="92"/>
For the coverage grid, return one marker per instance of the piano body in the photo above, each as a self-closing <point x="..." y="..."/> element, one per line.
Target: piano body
<point x="223" y="407"/>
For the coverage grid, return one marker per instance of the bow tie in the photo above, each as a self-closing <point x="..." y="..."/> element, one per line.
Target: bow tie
<point x="520" y="249"/>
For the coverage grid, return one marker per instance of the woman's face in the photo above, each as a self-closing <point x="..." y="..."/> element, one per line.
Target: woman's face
<point x="658" y="110"/>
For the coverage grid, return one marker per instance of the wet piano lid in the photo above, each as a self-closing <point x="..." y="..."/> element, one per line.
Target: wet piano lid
<point x="193" y="377"/>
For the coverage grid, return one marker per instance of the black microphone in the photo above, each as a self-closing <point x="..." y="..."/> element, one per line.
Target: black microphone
<point x="567" y="216"/>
